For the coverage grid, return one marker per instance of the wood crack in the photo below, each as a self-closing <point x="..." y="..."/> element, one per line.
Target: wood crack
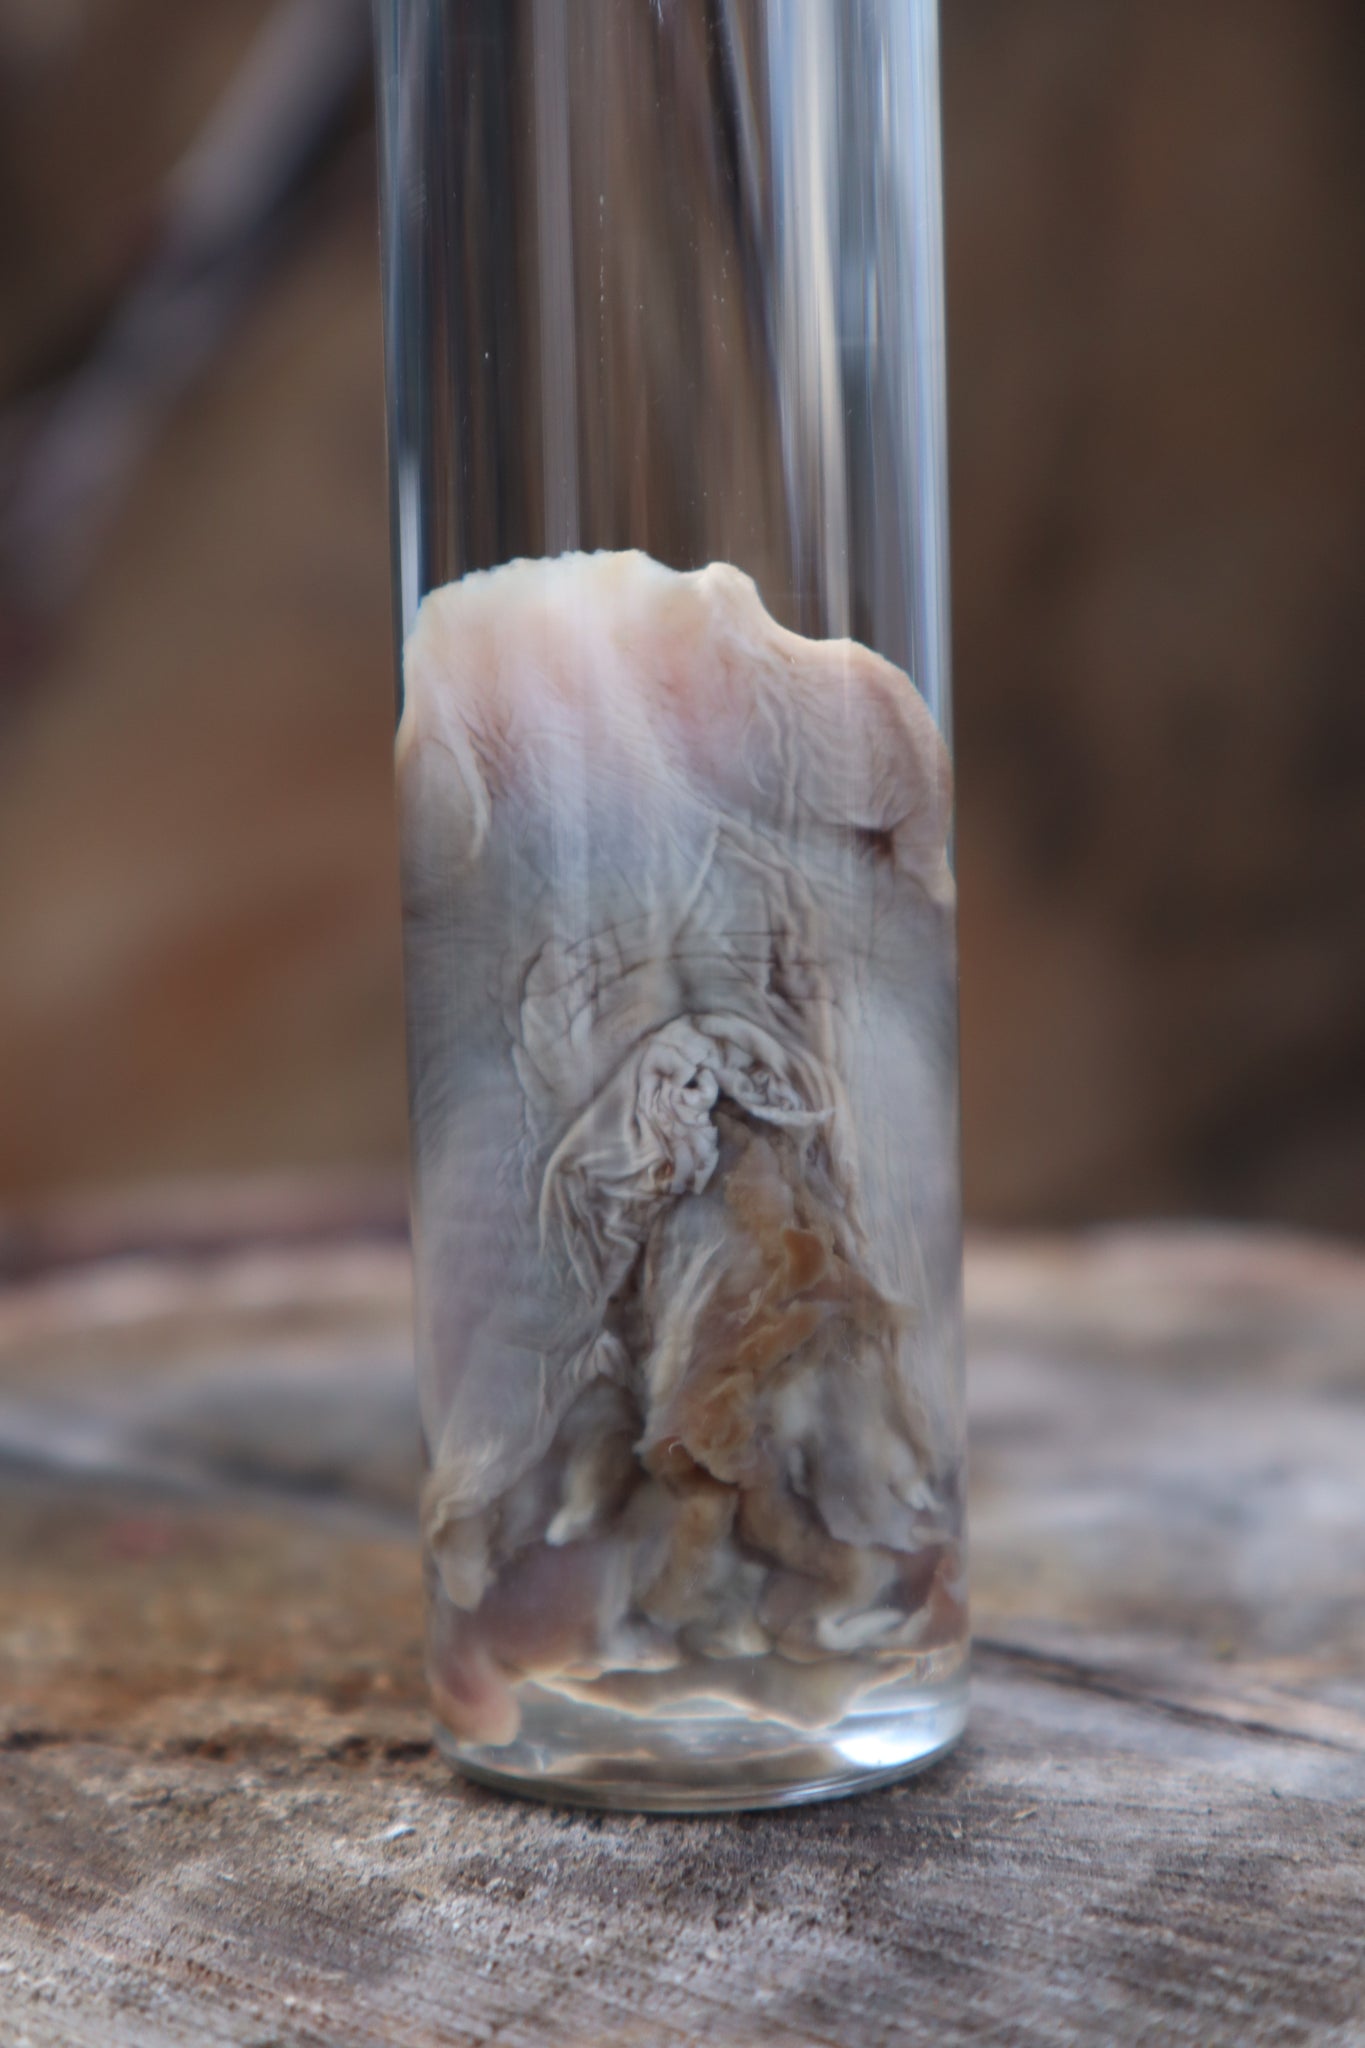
<point x="1056" y="1668"/>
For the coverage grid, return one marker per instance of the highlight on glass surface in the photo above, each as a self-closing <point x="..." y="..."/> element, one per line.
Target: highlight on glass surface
<point x="663" y="286"/>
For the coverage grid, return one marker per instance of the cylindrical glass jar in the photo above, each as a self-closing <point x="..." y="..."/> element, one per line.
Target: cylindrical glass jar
<point x="663" y="294"/>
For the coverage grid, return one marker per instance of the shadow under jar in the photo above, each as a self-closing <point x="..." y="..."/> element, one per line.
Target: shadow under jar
<point x="663" y="286"/>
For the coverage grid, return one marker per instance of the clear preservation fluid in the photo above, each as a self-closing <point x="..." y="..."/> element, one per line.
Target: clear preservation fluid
<point x="663" y="287"/>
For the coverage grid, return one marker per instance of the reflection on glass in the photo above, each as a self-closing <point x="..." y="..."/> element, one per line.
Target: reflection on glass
<point x="664" y="328"/>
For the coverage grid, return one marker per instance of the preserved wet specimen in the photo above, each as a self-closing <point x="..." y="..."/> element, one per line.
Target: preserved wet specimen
<point x="681" y="1014"/>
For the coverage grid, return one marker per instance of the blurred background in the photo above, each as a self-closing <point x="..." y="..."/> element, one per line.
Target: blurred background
<point x="1156" y="292"/>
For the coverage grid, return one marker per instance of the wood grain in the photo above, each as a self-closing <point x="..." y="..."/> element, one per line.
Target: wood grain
<point x="223" y="1821"/>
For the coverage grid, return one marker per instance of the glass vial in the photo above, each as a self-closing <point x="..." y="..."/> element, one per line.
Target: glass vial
<point x="663" y="297"/>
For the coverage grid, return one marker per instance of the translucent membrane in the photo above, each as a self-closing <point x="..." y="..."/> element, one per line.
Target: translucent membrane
<point x="663" y="298"/>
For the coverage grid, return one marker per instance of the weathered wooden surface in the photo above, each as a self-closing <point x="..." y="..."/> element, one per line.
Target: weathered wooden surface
<point x="222" y="1821"/>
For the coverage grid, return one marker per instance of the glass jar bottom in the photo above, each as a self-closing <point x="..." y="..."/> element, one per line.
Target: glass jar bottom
<point x="711" y="1757"/>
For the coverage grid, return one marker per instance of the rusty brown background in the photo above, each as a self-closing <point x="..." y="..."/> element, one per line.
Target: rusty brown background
<point x="1156" y="215"/>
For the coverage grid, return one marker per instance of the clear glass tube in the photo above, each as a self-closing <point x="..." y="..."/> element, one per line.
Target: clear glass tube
<point x="663" y="297"/>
